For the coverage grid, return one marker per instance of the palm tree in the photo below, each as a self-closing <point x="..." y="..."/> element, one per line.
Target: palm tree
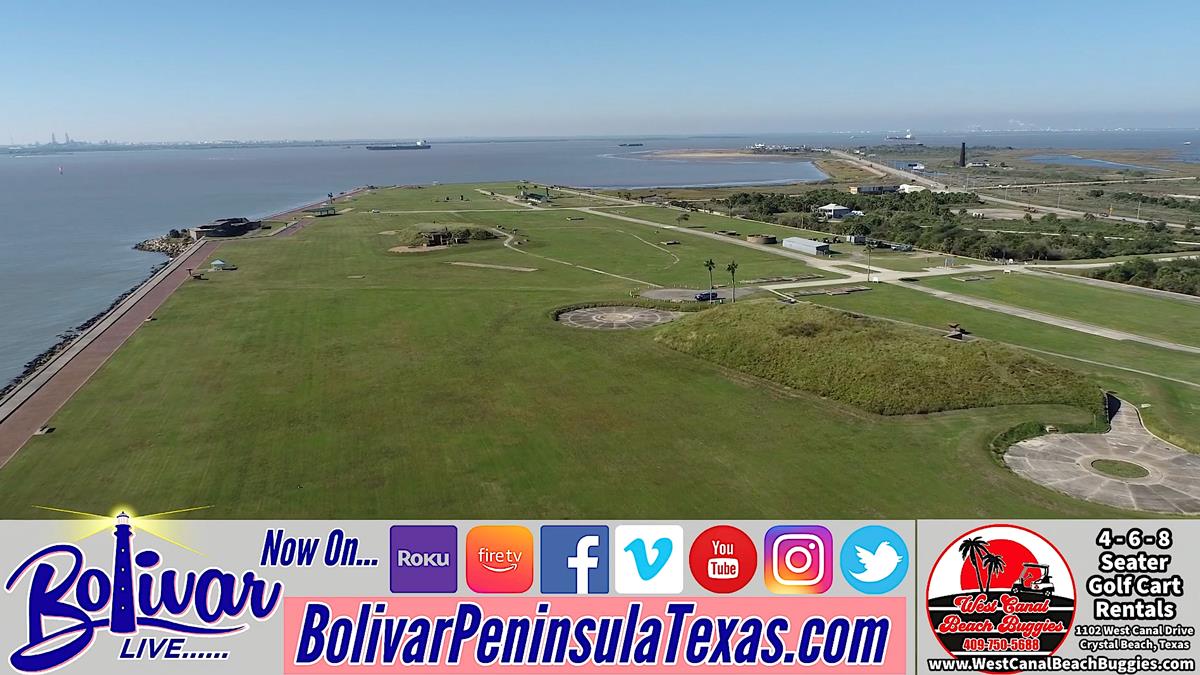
<point x="732" y="269"/>
<point x="710" y="266"/>
<point x="973" y="549"/>
<point x="993" y="564"/>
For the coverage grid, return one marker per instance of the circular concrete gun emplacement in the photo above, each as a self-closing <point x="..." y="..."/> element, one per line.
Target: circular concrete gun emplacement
<point x="616" y="318"/>
<point x="1128" y="467"/>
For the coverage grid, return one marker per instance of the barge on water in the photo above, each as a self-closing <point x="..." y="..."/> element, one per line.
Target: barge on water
<point x="419" y="145"/>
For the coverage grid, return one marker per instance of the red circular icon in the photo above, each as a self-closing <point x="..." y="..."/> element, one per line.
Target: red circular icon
<point x="723" y="559"/>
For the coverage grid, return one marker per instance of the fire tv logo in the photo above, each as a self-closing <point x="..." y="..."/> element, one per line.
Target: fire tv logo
<point x="499" y="559"/>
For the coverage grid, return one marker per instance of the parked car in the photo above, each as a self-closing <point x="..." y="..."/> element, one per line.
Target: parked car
<point x="707" y="296"/>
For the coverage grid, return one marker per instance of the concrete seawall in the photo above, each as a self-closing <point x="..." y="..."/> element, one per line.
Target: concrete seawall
<point x="31" y="404"/>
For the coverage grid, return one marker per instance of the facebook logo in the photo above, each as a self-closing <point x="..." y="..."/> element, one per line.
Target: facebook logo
<point x="575" y="559"/>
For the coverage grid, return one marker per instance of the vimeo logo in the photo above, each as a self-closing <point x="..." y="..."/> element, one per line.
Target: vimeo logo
<point x="575" y="559"/>
<point x="649" y="559"/>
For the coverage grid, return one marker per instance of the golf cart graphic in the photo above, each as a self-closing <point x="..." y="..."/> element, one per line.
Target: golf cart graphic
<point x="1034" y="580"/>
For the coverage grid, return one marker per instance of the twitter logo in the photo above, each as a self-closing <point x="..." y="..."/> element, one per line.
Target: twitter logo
<point x="874" y="559"/>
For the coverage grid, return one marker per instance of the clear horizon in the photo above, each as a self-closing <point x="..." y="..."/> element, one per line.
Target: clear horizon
<point x="142" y="72"/>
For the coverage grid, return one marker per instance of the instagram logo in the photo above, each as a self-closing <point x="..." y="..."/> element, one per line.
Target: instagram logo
<point x="798" y="559"/>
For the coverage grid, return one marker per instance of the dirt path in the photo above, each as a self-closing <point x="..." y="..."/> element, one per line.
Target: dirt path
<point x="508" y="243"/>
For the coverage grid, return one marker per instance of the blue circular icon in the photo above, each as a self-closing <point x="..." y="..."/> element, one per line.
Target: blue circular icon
<point x="874" y="559"/>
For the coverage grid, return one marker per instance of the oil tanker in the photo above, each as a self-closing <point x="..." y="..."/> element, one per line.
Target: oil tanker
<point x="419" y="145"/>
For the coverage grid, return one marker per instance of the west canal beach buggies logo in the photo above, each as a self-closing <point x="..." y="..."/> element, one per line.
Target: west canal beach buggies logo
<point x="1000" y="590"/>
<point x="69" y="603"/>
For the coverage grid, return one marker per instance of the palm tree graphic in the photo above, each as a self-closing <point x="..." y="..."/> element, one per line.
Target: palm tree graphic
<point x="974" y="549"/>
<point x="992" y="564"/>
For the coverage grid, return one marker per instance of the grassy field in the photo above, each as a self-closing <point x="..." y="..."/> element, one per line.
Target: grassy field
<point x="893" y="260"/>
<point x="329" y="378"/>
<point x="637" y="251"/>
<point x="1174" y="407"/>
<point x="1175" y="320"/>
<point x="879" y="366"/>
<point x="712" y="222"/>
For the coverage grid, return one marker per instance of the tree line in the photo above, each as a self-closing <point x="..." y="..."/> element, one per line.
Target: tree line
<point x="1180" y="275"/>
<point x="941" y="222"/>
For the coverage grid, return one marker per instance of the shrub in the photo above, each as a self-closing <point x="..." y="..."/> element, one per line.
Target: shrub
<point x="876" y="365"/>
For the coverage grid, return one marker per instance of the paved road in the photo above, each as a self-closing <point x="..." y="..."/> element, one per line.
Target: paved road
<point x="1085" y="182"/>
<point x="1063" y="462"/>
<point x="936" y="185"/>
<point x="1070" y="213"/>
<point x="1114" y="286"/>
<point x="1052" y="320"/>
<point x="32" y="405"/>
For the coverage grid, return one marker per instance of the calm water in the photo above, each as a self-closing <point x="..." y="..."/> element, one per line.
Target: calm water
<point x="65" y="239"/>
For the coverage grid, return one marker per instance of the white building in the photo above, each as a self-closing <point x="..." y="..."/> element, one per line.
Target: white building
<point x="808" y="246"/>
<point x="833" y="210"/>
<point x="906" y="188"/>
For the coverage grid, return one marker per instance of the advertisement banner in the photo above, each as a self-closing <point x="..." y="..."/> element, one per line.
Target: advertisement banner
<point x="155" y="594"/>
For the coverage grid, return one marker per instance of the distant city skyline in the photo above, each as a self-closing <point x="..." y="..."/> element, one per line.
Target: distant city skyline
<point x="142" y="72"/>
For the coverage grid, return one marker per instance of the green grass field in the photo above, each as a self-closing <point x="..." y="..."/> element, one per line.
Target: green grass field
<point x="1158" y="317"/>
<point x="874" y="365"/>
<point x="712" y="222"/>
<point x="330" y="378"/>
<point x="1162" y="382"/>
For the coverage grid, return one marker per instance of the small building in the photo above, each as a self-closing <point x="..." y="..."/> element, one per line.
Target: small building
<point x="535" y="197"/>
<point x="978" y="165"/>
<point x="833" y="211"/>
<point x="322" y="211"/>
<point x="808" y="246"/>
<point x="437" y="237"/>
<point x="762" y="239"/>
<point x="855" y="239"/>
<point x="873" y="189"/>
<point x="225" y="227"/>
<point x="907" y="189"/>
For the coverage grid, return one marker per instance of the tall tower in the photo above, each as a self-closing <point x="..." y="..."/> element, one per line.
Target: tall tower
<point x="53" y="138"/>
<point x="122" y="620"/>
<point x="962" y="154"/>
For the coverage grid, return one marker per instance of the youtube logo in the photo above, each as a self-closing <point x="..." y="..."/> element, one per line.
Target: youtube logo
<point x="723" y="559"/>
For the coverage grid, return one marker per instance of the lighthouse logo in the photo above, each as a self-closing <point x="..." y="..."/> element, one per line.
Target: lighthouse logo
<point x="1000" y="590"/>
<point x="70" y="602"/>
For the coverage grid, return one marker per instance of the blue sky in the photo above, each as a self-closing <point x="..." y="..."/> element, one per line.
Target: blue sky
<point x="191" y="71"/>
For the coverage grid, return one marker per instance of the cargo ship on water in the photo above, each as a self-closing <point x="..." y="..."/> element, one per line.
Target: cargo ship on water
<point x="419" y="145"/>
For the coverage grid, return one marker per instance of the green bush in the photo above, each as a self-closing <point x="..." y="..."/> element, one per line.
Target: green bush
<point x="876" y="365"/>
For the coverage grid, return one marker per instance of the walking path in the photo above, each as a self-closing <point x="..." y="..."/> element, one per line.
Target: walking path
<point x="1053" y="320"/>
<point x="1063" y="462"/>
<point x="28" y="407"/>
<point x="510" y="245"/>
<point x="31" y="405"/>
<point x="1112" y="285"/>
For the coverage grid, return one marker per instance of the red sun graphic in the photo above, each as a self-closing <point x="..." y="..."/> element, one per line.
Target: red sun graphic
<point x="1014" y="556"/>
